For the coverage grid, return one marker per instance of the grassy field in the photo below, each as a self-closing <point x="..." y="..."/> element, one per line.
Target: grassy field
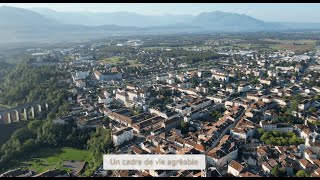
<point x="111" y="60"/>
<point x="134" y="63"/>
<point x="49" y="158"/>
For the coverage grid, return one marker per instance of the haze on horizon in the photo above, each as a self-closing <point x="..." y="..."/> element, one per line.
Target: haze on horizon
<point x="277" y="12"/>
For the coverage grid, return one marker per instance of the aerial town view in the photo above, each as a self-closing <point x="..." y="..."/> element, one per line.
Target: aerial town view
<point x="239" y="88"/>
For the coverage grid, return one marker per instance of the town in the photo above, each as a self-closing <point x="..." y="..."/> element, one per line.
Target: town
<point x="252" y="110"/>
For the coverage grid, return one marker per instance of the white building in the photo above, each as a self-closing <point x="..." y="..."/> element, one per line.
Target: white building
<point x="217" y="99"/>
<point x="241" y="133"/>
<point x="81" y="75"/>
<point x="278" y="127"/>
<point x="235" y="168"/>
<point x="133" y="96"/>
<point x="201" y="103"/>
<point x="170" y="81"/>
<point x="102" y="99"/>
<point x="265" y="81"/>
<point x="244" y="88"/>
<point x="119" y="137"/>
<point x="220" y="76"/>
<point x="122" y="98"/>
<point x="304" y="105"/>
<point x="230" y="89"/>
<point x="223" y="153"/>
<point x="162" y="78"/>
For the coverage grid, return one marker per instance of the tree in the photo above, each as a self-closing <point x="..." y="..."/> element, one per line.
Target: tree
<point x="278" y="172"/>
<point x="194" y="81"/>
<point x="260" y="130"/>
<point x="30" y="145"/>
<point x="302" y="173"/>
<point x="184" y="126"/>
<point x="106" y="120"/>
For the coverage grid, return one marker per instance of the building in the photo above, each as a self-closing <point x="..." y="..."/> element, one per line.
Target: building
<point x="201" y="103"/>
<point x="80" y="75"/>
<point x="133" y="95"/>
<point x="281" y="101"/>
<point x="107" y="77"/>
<point x="162" y="78"/>
<point x="223" y="153"/>
<point x="278" y="127"/>
<point x="98" y="75"/>
<point x="253" y="96"/>
<point x="230" y="89"/>
<point x="170" y="81"/>
<point x="265" y="81"/>
<point x="244" y="87"/>
<point x="235" y="168"/>
<point x="80" y="84"/>
<point x="121" y="136"/>
<point x="241" y="132"/>
<point x="102" y="99"/>
<point x="54" y="173"/>
<point x="304" y="105"/>
<point x="17" y="173"/>
<point x="122" y="97"/>
<point x="217" y="99"/>
<point x="165" y="114"/>
<point x="220" y="76"/>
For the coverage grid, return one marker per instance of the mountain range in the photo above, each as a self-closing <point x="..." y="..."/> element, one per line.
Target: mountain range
<point x="46" y="25"/>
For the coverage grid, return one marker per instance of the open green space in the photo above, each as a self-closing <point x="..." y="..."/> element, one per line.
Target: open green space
<point x="288" y="44"/>
<point x="134" y="63"/>
<point x="50" y="158"/>
<point x="111" y="60"/>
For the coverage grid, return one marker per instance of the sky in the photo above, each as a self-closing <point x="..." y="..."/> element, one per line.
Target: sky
<point x="281" y="12"/>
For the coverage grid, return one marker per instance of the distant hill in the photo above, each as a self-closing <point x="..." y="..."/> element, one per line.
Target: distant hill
<point x="229" y="21"/>
<point x="22" y="18"/>
<point x="45" y="25"/>
<point x="116" y="18"/>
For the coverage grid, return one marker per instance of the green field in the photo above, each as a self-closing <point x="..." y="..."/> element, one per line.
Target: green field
<point x="134" y="63"/>
<point x="288" y="44"/>
<point x="50" y="158"/>
<point x="111" y="60"/>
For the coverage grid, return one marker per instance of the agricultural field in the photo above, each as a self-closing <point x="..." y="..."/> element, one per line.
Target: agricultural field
<point x="306" y="45"/>
<point x="50" y="158"/>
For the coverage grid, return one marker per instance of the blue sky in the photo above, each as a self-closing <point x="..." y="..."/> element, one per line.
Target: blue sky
<point x="288" y="12"/>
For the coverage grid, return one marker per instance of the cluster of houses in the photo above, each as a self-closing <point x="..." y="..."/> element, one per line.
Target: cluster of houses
<point x="252" y="92"/>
